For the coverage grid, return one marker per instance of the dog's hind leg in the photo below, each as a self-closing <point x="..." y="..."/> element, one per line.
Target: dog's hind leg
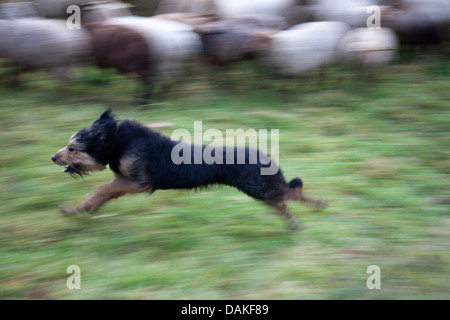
<point x="316" y="203"/>
<point x="298" y="194"/>
<point x="283" y="210"/>
<point x="116" y="188"/>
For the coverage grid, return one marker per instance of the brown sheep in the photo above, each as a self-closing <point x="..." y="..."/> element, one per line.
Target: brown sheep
<point x="123" y="49"/>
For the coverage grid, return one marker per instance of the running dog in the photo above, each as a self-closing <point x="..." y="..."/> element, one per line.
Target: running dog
<point x="141" y="160"/>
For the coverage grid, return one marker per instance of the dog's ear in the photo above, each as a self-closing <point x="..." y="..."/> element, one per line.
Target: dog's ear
<point x="105" y="117"/>
<point x="105" y="126"/>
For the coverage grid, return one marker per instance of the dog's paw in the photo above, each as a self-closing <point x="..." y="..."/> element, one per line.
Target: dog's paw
<point x="294" y="225"/>
<point x="69" y="210"/>
<point x="321" y="204"/>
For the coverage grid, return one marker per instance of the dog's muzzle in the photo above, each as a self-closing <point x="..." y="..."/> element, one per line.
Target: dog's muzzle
<point x="73" y="170"/>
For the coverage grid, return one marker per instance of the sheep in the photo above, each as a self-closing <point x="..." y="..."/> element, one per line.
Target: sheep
<point x="125" y="50"/>
<point x="367" y="48"/>
<point x="302" y="48"/>
<point x="198" y="7"/>
<point x="418" y="22"/>
<point x="55" y="9"/>
<point x="100" y="12"/>
<point x="168" y="44"/>
<point x="300" y="12"/>
<point x="294" y="10"/>
<point x="15" y="10"/>
<point x="225" y="41"/>
<point x="237" y="8"/>
<point x="144" y="7"/>
<point x="352" y="12"/>
<point x="194" y="20"/>
<point x="38" y="43"/>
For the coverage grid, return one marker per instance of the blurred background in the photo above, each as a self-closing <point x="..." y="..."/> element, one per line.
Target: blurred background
<point x="363" y="117"/>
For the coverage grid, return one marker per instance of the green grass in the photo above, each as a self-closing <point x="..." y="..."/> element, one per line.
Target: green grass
<point x="378" y="150"/>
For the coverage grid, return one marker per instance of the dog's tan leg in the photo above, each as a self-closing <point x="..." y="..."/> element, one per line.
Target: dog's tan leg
<point x="317" y="203"/>
<point x="299" y="195"/>
<point x="116" y="188"/>
<point x="283" y="210"/>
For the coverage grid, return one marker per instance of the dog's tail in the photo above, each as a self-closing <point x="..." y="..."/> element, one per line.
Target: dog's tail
<point x="295" y="183"/>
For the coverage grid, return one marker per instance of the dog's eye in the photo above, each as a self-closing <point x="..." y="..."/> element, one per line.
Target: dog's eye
<point x="71" y="149"/>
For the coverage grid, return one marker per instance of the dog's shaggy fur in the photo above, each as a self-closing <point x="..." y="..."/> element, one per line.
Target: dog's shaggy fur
<point x="141" y="161"/>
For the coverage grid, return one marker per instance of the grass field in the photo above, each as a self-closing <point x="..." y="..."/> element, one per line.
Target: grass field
<point x="377" y="149"/>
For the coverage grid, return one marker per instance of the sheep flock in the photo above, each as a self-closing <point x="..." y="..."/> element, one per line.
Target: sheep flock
<point x="288" y="37"/>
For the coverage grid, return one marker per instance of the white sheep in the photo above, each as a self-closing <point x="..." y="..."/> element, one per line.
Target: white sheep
<point x="15" y="10"/>
<point x="196" y="7"/>
<point x="352" y="12"/>
<point x="102" y="12"/>
<point x="55" y="8"/>
<point x="236" y="8"/>
<point x="38" y="43"/>
<point x="293" y="11"/>
<point x="302" y="48"/>
<point x="368" y="48"/>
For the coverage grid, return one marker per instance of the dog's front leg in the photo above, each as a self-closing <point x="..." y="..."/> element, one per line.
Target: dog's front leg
<point x="116" y="188"/>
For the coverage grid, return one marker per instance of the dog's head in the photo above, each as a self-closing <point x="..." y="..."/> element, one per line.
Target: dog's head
<point x="90" y="148"/>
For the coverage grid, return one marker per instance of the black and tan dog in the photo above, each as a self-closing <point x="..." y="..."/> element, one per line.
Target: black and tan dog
<point x="141" y="160"/>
